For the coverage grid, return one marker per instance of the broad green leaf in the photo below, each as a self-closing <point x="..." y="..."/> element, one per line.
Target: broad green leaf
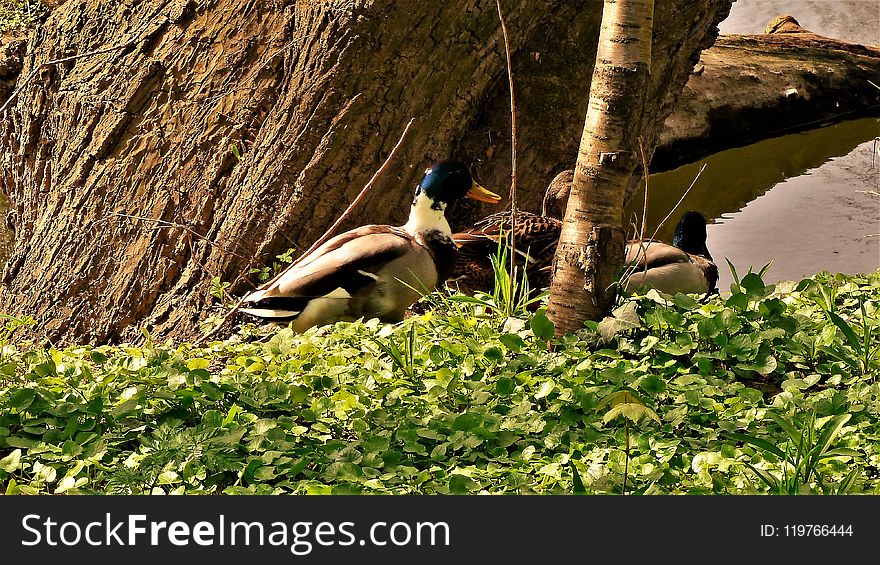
<point x="125" y="408"/>
<point x="466" y="421"/>
<point x="21" y="398"/>
<point x="652" y="384"/>
<point x="632" y="412"/>
<point x="71" y="449"/>
<point x="439" y="451"/>
<point x="211" y="390"/>
<point x="198" y="363"/>
<point x="494" y="354"/>
<point x="460" y="484"/>
<point x="512" y="342"/>
<point x="97" y="356"/>
<point x="428" y="433"/>
<point x="739" y="301"/>
<point x="11" y="462"/>
<point x="541" y="326"/>
<point x="264" y="473"/>
<point x="21" y="442"/>
<point x="762" y="365"/>
<point x="685" y="302"/>
<point x="546" y="388"/>
<point x="753" y="284"/>
<point x="505" y="386"/>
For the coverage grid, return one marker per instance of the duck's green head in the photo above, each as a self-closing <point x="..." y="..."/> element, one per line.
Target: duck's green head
<point x="448" y="181"/>
<point x="690" y="233"/>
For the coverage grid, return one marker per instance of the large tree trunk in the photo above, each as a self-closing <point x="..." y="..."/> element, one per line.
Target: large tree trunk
<point x="128" y="197"/>
<point x="591" y="246"/>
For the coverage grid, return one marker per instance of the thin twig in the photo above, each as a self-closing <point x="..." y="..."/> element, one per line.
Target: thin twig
<point x="645" y="173"/>
<point x="184" y="227"/>
<point x="39" y="67"/>
<point x="512" y="146"/>
<point x="348" y="210"/>
<point x="680" y="200"/>
<point x="544" y="201"/>
<point x="320" y="241"/>
<point x="642" y="245"/>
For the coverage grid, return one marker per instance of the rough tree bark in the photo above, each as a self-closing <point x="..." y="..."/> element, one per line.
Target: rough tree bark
<point x="591" y="246"/>
<point x="128" y="198"/>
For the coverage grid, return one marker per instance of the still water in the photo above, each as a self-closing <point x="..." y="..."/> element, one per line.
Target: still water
<point x="803" y="201"/>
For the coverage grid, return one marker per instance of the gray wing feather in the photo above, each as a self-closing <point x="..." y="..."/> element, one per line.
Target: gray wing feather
<point x="653" y="254"/>
<point x="345" y="261"/>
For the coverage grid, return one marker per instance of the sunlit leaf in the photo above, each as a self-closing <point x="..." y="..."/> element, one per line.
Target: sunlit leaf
<point x="11" y="462"/>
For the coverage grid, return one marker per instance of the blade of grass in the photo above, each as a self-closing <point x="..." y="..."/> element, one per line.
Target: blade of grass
<point x="757" y="442"/>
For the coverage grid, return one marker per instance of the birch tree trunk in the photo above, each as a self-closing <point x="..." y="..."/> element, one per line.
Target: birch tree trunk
<point x="591" y="247"/>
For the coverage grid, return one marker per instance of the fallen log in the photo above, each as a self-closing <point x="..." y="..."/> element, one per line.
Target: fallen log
<point x="751" y="87"/>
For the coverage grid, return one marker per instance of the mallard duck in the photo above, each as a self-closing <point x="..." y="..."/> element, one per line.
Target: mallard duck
<point x="685" y="266"/>
<point x="535" y="239"/>
<point x="375" y="271"/>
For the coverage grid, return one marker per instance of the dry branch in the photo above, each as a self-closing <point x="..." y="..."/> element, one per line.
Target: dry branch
<point x="321" y="239"/>
<point x="512" y="235"/>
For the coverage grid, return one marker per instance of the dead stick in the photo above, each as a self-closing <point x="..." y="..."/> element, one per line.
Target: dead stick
<point x="642" y="245"/>
<point x="348" y="210"/>
<point x="680" y="200"/>
<point x="512" y="147"/>
<point x="641" y="231"/>
<point x="167" y="224"/>
<point x="323" y="238"/>
<point x="645" y="174"/>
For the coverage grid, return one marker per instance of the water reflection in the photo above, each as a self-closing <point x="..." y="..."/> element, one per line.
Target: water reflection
<point x="815" y="217"/>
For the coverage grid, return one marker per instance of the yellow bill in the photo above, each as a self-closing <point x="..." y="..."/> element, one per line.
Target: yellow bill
<point x="477" y="192"/>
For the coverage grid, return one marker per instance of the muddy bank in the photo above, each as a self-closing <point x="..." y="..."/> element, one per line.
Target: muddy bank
<point x="752" y="87"/>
